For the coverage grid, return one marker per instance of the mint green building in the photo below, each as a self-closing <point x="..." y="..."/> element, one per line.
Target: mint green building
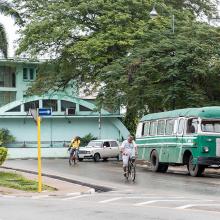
<point x="71" y="115"/>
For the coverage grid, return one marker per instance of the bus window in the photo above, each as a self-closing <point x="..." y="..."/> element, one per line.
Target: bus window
<point x="211" y="126"/>
<point x="139" y="131"/>
<point x="169" y="126"/>
<point x="192" y="125"/>
<point x="146" y="128"/>
<point x="181" y="126"/>
<point x="161" y="127"/>
<point x="153" y="128"/>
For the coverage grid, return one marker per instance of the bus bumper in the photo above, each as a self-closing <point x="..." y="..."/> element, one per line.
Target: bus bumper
<point x="208" y="161"/>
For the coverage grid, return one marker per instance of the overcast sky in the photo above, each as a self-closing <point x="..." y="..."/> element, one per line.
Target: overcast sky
<point x="11" y="33"/>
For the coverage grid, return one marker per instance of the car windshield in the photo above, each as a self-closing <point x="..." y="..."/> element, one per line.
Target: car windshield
<point x="94" y="144"/>
<point x="211" y="126"/>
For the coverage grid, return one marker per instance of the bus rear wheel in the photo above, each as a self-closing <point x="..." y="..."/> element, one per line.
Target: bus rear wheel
<point x="156" y="166"/>
<point x="194" y="169"/>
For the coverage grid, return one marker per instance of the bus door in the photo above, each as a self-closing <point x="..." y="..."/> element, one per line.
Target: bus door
<point x="180" y="129"/>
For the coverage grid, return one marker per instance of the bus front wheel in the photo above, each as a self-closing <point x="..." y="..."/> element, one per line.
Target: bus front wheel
<point x="156" y="166"/>
<point x="194" y="169"/>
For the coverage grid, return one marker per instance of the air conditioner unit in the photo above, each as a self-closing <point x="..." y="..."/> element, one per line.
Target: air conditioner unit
<point x="70" y="111"/>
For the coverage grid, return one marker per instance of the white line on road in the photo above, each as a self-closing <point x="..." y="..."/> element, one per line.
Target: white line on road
<point x="8" y="196"/>
<point x="74" y="194"/>
<point x="154" y="201"/>
<point x="40" y="197"/>
<point x="110" y="200"/>
<point x="195" y="205"/>
<point x="75" y="197"/>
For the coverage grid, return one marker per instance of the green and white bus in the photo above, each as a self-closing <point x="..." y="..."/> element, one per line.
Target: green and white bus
<point x="181" y="137"/>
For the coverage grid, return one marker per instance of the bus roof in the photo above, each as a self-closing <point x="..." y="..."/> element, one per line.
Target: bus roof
<point x="204" y="112"/>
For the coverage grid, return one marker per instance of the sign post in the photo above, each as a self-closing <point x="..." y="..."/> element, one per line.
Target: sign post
<point x="36" y="115"/>
<point x="39" y="155"/>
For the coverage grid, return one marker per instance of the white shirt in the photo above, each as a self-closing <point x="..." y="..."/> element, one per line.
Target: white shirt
<point x="128" y="147"/>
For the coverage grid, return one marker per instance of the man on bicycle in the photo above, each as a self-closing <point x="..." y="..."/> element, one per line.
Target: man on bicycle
<point x="74" y="146"/>
<point x="128" y="150"/>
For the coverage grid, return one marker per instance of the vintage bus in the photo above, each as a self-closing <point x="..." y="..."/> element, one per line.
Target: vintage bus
<point x="181" y="137"/>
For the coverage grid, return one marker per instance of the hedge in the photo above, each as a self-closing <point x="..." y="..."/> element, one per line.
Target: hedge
<point x="3" y="154"/>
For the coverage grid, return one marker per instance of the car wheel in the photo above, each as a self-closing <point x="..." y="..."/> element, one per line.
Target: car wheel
<point x="80" y="159"/>
<point x="97" y="157"/>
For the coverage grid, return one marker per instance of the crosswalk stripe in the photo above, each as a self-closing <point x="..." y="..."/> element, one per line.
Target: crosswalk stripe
<point x="75" y="197"/>
<point x="110" y="200"/>
<point x="193" y="205"/>
<point x="40" y="197"/>
<point x="154" y="201"/>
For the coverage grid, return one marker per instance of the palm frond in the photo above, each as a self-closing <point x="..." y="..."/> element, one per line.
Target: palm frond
<point x="7" y="9"/>
<point x="3" y="41"/>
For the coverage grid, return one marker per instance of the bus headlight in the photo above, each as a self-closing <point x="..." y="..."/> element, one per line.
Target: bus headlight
<point x="205" y="149"/>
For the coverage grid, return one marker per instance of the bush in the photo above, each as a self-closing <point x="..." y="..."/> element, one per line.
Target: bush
<point x="5" y="137"/>
<point x="3" y="154"/>
<point x="86" y="139"/>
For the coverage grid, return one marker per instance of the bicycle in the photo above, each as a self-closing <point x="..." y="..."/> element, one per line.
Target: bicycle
<point x="131" y="169"/>
<point x="72" y="158"/>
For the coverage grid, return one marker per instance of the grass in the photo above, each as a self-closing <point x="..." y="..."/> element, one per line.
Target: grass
<point x="17" y="181"/>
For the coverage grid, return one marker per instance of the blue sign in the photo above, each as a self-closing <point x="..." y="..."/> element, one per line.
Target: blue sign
<point x="44" y="111"/>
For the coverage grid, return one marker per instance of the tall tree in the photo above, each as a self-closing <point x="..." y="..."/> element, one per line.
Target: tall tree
<point x="136" y="62"/>
<point x="8" y="10"/>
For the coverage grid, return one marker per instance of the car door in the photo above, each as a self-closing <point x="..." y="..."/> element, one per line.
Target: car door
<point x="106" y="149"/>
<point x="114" y="148"/>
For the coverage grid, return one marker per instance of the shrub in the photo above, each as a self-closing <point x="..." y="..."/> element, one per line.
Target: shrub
<point x="86" y="139"/>
<point x="3" y="154"/>
<point x="5" y="137"/>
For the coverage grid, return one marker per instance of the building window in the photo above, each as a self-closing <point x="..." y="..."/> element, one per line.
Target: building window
<point x="67" y="105"/>
<point x="25" y="74"/>
<point x="83" y="108"/>
<point x="31" y="105"/>
<point x="50" y="103"/>
<point x="7" y="97"/>
<point x="31" y="71"/>
<point x="7" y="77"/>
<point x="15" y="109"/>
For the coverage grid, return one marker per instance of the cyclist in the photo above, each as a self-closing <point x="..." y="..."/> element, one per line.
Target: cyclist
<point x="128" y="150"/>
<point x="74" y="146"/>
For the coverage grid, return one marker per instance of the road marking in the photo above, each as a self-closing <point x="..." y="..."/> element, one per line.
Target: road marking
<point x="74" y="194"/>
<point x="110" y="200"/>
<point x="40" y="197"/>
<point x="193" y="205"/>
<point x="154" y="201"/>
<point x="75" y="197"/>
<point x="8" y="196"/>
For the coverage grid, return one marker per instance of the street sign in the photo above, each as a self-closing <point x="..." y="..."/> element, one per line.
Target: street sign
<point x="44" y="111"/>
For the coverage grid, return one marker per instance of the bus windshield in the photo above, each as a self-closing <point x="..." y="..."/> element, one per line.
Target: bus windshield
<point x="211" y="126"/>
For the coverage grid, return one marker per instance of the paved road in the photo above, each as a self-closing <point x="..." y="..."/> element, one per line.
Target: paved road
<point x="152" y="196"/>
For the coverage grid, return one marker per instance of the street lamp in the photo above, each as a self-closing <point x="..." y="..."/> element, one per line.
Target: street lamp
<point x="153" y="15"/>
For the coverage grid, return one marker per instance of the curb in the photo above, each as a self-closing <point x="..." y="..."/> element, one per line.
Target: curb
<point x="94" y="188"/>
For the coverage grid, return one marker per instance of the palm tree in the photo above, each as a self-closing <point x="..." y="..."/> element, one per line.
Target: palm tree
<point x="8" y="10"/>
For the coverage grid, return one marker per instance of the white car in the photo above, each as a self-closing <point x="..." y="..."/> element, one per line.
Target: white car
<point x="99" y="149"/>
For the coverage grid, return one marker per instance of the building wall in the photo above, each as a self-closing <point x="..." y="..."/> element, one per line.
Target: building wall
<point x="58" y="130"/>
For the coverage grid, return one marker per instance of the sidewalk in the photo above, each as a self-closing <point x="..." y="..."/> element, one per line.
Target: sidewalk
<point x="62" y="187"/>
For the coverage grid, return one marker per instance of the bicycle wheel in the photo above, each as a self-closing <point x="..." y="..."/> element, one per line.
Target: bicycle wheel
<point x="133" y="172"/>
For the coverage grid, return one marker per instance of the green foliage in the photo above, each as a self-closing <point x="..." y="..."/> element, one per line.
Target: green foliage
<point x="137" y="62"/>
<point x="5" y="137"/>
<point x="3" y="154"/>
<point x="86" y="139"/>
<point x="17" y="181"/>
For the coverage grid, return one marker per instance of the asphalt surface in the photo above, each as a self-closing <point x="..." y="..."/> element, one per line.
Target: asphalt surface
<point x="173" y="195"/>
